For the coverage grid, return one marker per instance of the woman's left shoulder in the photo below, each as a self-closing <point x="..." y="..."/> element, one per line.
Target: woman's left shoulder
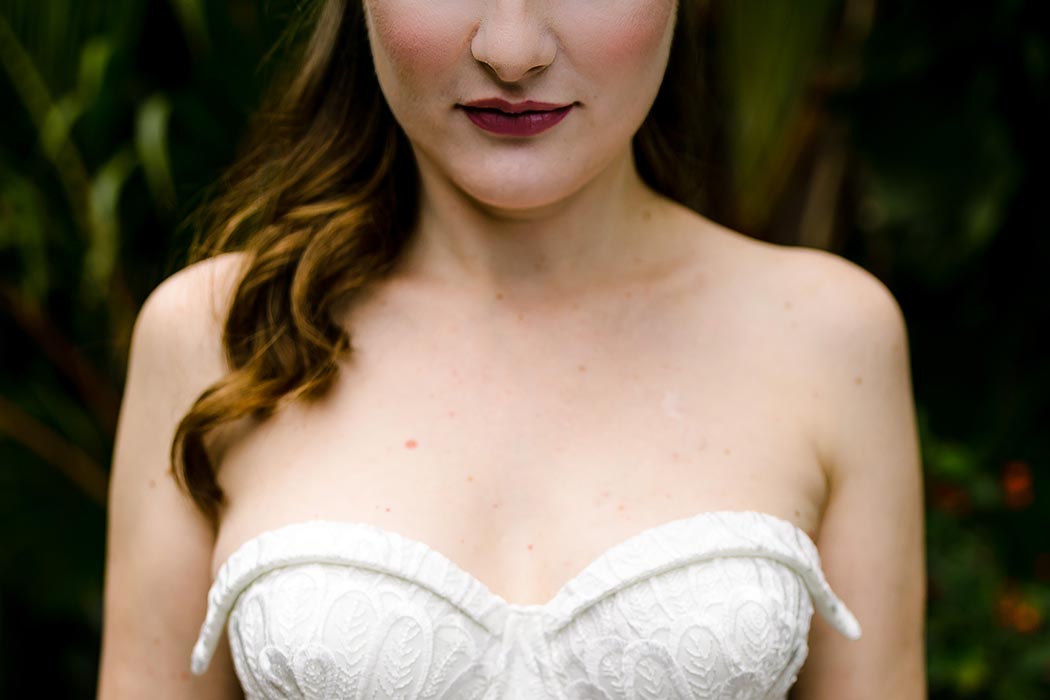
<point x="824" y="300"/>
<point x="855" y="357"/>
<point x="846" y="306"/>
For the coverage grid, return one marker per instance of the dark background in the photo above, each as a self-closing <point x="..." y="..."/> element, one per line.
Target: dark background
<point x="905" y="136"/>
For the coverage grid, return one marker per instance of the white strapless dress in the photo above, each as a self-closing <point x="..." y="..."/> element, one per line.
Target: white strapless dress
<point x="717" y="605"/>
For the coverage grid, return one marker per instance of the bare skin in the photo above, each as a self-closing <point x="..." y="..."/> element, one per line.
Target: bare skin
<point x="524" y="438"/>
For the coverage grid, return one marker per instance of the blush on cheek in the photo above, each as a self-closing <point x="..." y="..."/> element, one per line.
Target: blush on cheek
<point x="419" y="40"/>
<point x="622" y="34"/>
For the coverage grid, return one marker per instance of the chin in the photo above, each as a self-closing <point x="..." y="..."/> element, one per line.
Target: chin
<point x="518" y="199"/>
<point x="502" y="188"/>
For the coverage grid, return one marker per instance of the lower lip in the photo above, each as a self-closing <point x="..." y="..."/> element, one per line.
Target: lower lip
<point x="524" y="124"/>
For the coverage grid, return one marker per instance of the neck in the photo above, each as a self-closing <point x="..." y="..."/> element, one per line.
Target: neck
<point x="596" y="235"/>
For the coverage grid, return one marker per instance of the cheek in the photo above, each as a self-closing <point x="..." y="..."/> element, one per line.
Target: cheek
<point x="628" y="34"/>
<point x="418" y="42"/>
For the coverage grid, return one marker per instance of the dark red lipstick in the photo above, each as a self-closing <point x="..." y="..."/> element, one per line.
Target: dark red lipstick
<point x="515" y="119"/>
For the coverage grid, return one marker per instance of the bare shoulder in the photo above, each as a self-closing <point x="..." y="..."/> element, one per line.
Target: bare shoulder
<point x="841" y="311"/>
<point x="844" y="295"/>
<point x="177" y="338"/>
<point x="856" y="338"/>
<point x="193" y="301"/>
<point x="158" y="544"/>
<point x="831" y="293"/>
<point x="835" y="326"/>
<point x="853" y="339"/>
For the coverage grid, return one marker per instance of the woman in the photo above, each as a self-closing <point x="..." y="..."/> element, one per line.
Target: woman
<point x="585" y="443"/>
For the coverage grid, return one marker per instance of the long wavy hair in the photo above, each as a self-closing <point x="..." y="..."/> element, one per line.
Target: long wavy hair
<point x="321" y="199"/>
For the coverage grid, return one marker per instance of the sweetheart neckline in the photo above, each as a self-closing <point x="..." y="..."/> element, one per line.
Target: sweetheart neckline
<point x="678" y="541"/>
<point x="561" y="592"/>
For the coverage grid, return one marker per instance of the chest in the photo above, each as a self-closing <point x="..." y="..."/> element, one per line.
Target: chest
<point x="523" y="449"/>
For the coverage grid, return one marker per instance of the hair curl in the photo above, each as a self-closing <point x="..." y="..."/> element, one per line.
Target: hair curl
<point x="321" y="198"/>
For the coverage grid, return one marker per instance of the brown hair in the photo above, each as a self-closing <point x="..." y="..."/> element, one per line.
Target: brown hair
<point x="322" y="197"/>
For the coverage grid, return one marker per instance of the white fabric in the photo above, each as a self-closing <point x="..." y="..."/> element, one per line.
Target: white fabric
<point x="717" y="605"/>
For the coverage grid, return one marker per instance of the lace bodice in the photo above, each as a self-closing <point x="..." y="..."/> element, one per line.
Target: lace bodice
<point x="717" y="605"/>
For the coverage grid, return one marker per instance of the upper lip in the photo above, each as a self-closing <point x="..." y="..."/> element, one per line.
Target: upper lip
<point x="514" y="107"/>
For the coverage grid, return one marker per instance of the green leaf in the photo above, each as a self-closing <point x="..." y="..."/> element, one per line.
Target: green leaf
<point x="23" y="227"/>
<point x="951" y="460"/>
<point x="972" y="673"/>
<point x="151" y="144"/>
<point x="104" y="202"/>
<point x="58" y="123"/>
<point x="64" y="113"/>
<point x="768" y="51"/>
<point x="94" y="61"/>
<point x="194" y="23"/>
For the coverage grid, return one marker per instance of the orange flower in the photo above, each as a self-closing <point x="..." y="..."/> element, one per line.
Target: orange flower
<point x="1012" y="610"/>
<point x="1017" y="484"/>
<point x="1027" y="617"/>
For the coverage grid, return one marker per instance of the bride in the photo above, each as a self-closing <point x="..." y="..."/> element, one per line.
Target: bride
<point x="461" y="397"/>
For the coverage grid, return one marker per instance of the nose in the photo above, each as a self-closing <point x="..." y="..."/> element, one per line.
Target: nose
<point x="513" y="39"/>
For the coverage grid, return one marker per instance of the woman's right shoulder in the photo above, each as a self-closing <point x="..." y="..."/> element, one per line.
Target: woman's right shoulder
<point x="180" y="323"/>
<point x="199" y="293"/>
<point x="159" y="545"/>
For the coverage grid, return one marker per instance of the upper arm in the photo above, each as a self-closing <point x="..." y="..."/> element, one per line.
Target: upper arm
<point x="871" y="539"/>
<point x="158" y="544"/>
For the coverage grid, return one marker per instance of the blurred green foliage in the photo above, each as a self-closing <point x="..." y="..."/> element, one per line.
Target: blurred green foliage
<point x="901" y="135"/>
